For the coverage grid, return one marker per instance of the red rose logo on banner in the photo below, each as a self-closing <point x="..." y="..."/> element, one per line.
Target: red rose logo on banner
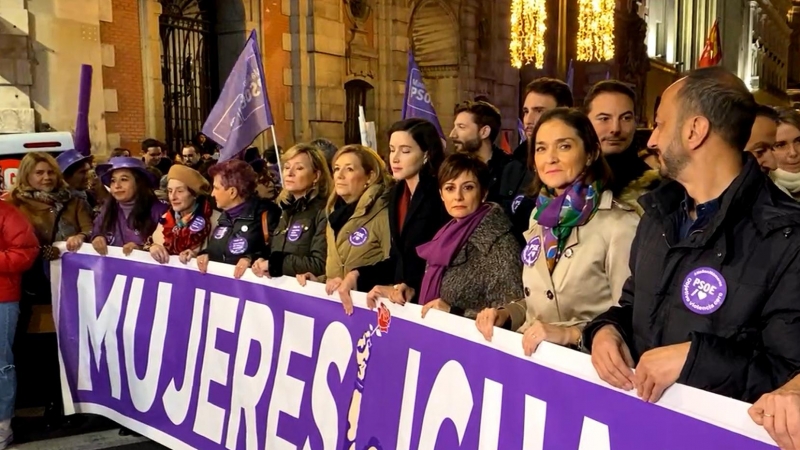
<point x="384" y="318"/>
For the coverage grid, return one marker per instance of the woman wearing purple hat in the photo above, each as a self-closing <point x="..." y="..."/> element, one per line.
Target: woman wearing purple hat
<point x="76" y="167"/>
<point x="129" y="218"/>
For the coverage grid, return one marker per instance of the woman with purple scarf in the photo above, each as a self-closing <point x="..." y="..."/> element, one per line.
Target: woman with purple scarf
<point x="130" y="216"/>
<point x="473" y="261"/>
<point x="575" y="261"/>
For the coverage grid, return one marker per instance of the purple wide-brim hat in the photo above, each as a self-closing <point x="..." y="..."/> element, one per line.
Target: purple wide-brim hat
<point x="70" y="158"/>
<point x="104" y="171"/>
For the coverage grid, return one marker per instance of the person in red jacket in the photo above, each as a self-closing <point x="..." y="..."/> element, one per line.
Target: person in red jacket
<point x="19" y="248"/>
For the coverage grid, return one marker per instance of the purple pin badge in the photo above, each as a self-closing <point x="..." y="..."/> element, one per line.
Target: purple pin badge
<point x="237" y="245"/>
<point x="531" y="251"/>
<point x="704" y="290"/>
<point x="294" y="233"/>
<point x="219" y="233"/>
<point x="359" y="237"/>
<point x="197" y="224"/>
<point x="515" y="203"/>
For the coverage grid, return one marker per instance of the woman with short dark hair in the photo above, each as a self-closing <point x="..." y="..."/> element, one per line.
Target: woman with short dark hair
<point x="578" y="243"/>
<point x="242" y="232"/>
<point x="472" y="262"/>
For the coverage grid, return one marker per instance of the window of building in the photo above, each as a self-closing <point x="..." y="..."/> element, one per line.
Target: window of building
<point x="662" y="30"/>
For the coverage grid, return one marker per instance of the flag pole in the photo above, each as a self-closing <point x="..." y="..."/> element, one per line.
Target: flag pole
<point x="278" y="153"/>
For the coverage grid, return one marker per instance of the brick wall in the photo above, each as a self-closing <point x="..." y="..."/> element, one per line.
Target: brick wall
<point x="123" y="33"/>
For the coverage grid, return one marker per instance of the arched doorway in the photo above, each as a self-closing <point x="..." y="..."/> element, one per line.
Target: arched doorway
<point x="189" y="68"/>
<point x="357" y="93"/>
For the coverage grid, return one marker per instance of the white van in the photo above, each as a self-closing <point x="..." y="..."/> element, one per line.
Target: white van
<point x="13" y="148"/>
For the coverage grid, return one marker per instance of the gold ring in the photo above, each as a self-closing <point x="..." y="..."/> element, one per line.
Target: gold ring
<point x="768" y="415"/>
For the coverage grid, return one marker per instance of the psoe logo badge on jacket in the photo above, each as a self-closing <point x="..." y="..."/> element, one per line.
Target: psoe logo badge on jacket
<point x="238" y="245"/>
<point x="704" y="290"/>
<point x="531" y="251"/>
<point x="359" y="237"/>
<point x="197" y="224"/>
<point x="515" y="203"/>
<point x="219" y="233"/>
<point x="294" y="232"/>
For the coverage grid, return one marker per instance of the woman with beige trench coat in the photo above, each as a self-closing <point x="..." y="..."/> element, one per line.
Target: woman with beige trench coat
<point x="575" y="260"/>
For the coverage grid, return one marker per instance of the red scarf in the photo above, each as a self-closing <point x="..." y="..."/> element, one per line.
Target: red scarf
<point x="188" y="236"/>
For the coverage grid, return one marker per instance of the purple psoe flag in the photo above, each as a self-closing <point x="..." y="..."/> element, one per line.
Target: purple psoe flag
<point x="521" y="130"/>
<point x="417" y="101"/>
<point x="242" y="111"/>
<point x="82" y="141"/>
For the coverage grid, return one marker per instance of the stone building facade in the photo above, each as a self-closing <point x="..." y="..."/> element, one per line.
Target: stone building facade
<point x="42" y="46"/>
<point x="159" y="64"/>
<point x="755" y="37"/>
<point x="343" y="54"/>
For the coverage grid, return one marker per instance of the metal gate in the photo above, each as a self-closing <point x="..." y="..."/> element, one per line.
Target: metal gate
<point x="188" y="67"/>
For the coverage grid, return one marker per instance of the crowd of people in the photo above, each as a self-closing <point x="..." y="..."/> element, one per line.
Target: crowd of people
<point x="682" y="263"/>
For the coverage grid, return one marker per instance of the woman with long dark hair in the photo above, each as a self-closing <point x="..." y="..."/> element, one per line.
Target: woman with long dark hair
<point x="416" y="212"/>
<point x="129" y="218"/>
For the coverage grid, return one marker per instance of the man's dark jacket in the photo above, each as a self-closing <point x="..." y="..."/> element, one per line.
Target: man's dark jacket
<point x="751" y="344"/>
<point x="510" y="179"/>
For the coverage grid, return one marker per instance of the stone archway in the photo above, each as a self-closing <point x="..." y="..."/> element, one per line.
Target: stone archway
<point x="434" y="38"/>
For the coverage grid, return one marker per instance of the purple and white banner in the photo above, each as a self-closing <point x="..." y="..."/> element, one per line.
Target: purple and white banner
<point x="197" y="361"/>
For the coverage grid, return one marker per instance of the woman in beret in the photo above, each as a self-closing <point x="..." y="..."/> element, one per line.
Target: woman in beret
<point x="185" y="229"/>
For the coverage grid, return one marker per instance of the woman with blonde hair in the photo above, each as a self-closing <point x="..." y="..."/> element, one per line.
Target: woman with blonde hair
<point x="358" y="218"/>
<point x="298" y="244"/>
<point x="45" y="199"/>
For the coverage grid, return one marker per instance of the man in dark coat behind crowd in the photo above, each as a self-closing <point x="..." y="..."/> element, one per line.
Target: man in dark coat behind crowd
<point x="475" y="128"/>
<point x="712" y="298"/>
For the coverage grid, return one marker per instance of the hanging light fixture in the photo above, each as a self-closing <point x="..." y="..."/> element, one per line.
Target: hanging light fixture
<point x="595" y="30"/>
<point x="527" y="32"/>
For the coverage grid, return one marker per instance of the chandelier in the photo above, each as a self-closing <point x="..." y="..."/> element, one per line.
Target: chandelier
<point x="595" y="30"/>
<point x="527" y="32"/>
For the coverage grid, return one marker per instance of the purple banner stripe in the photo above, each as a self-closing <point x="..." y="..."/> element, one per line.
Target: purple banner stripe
<point x="203" y="361"/>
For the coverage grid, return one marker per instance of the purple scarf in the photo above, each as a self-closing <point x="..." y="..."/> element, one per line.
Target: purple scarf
<point x="441" y="250"/>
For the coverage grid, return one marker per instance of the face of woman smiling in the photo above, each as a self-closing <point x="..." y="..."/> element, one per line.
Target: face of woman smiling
<point x="123" y="185"/>
<point x="559" y="155"/>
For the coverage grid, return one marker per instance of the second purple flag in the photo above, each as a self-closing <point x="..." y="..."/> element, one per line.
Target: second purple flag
<point x="417" y="102"/>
